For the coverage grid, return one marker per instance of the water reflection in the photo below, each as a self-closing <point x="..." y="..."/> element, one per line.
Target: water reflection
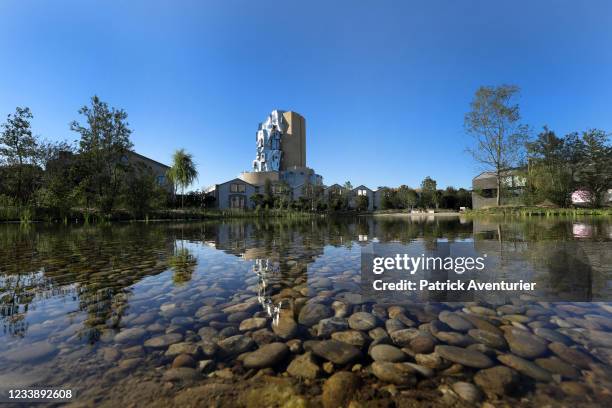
<point x="96" y="266"/>
<point x="267" y="271"/>
<point x="78" y="287"/>
<point x="182" y="262"/>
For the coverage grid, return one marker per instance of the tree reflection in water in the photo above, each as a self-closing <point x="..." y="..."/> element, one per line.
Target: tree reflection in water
<point x="182" y="263"/>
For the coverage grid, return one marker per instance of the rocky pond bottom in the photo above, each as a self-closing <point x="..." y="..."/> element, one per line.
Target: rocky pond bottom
<point x="258" y="332"/>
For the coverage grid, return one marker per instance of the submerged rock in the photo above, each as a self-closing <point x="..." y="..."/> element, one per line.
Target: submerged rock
<point x="470" y="358"/>
<point x="557" y="366"/>
<point x="184" y="360"/>
<point x="235" y="345"/>
<point x="338" y="389"/>
<point x="130" y="335"/>
<point x="164" y="340"/>
<point x="362" y="321"/>
<point x="254" y="323"/>
<point x="571" y="355"/>
<point x="336" y="351"/>
<point x="552" y="335"/>
<point x="467" y="391"/>
<point x="386" y="352"/>
<point x="312" y="313"/>
<point x="266" y="356"/>
<point x="304" y="366"/>
<point x="326" y="327"/>
<point x="524" y="344"/>
<point x="286" y="328"/>
<point x="525" y="367"/>
<point x="181" y="374"/>
<point x="488" y="338"/>
<point x="455" y="321"/>
<point x="31" y="352"/>
<point x="498" y="380"/>
<point x="352" y="337"/>
<point x="184" y="348"/>
<point x="395" y="373"/>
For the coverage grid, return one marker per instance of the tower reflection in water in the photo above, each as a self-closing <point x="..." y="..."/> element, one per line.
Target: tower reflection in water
<point x="267" y="271"/>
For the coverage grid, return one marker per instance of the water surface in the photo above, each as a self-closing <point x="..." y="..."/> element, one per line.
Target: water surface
<point x="67" y="293"/>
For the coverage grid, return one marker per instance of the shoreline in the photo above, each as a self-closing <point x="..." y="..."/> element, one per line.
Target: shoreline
<point x="418" y="215"/>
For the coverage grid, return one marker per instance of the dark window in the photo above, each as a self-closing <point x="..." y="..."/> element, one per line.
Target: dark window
<point x="237" y="188"/>
<point x="489" y="193"/>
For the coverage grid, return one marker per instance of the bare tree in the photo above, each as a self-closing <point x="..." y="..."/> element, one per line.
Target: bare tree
<point x="500" y="139"/>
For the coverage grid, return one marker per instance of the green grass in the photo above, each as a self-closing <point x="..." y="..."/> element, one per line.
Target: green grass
<point x="27" y="214"/>
<point x="529" y="211"/>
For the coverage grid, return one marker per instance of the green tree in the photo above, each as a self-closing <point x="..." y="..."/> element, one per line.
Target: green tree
<point x="183" y="171"/>
<point x="493" y="121"/>
<point x="548" y="175"/>
<point x="312" y="195"/>
<point x="57" y="189"/>
<point x="362" y="202"/>
<point x="268" y="195"/>
<point x="103" y="148"/>
<point x="464" y="198"/>
<point x="429" y="196"/>
<point x="143" y="192"/>
<point x="449" y="199"/>
<point x="387" y="201"/>
<point x="348" y="186"/>
<point x="406" y="197"/>
<point x="282" y="195"/>
<point x="595" y="172"/>
<point x="19" y="151"/>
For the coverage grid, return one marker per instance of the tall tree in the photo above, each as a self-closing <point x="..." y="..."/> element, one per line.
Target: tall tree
<point x="548" y="176"/>
<point x="406" y="197"/>
<point x="493" y="121"/>
<point x="595" y="173"/>
<point x="105" y="142"/>
<point x="19" y="148"/>
<point x="183" y="171"/>
<point x="429" y="196"/>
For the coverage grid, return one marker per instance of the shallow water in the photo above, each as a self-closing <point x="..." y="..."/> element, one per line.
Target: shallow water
<point x="96" y="309"/>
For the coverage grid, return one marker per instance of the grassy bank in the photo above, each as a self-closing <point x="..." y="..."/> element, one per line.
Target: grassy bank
<point x="523" y="211"/>
<point x="38" y="214"/>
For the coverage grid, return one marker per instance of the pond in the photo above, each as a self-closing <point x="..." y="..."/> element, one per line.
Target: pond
<point x="263" y="312"/>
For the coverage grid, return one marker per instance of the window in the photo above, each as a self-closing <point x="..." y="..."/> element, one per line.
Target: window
<point x="237" y="188"/>
<point x="161" y="180"/>
<point x="489" y="193"/>
<point x="237" y="201"/>
<point x="362" y="192"/>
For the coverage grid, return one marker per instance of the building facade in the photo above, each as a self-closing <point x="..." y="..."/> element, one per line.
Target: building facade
<point x="361" y="197"/>
<point x="233" y="194"/>
<point x="158" y="169"/>
<point x="280" y="159"/>
<point x="484" y="189"/>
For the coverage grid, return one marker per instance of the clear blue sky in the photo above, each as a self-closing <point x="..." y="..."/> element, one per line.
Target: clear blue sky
<point x="383" y="85"/>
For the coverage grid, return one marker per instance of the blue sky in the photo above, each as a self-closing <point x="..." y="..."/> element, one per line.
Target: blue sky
<point x="383" y="85"/>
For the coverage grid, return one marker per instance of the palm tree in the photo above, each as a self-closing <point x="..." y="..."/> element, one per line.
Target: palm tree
<point x="183" y="171"/>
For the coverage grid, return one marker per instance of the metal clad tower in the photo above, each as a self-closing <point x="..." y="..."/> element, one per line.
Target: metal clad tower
<point x="281" y="142"/>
